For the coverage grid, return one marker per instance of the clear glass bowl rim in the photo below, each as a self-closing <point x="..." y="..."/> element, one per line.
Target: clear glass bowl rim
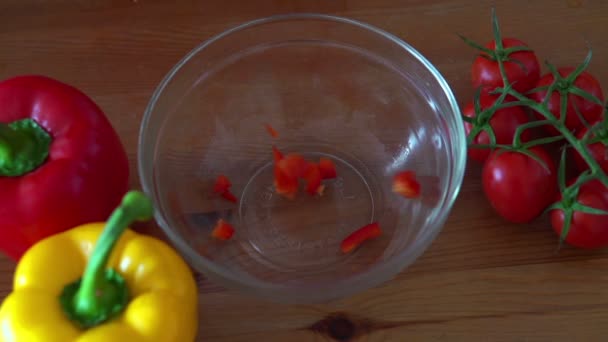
<point x="343" y="287"/>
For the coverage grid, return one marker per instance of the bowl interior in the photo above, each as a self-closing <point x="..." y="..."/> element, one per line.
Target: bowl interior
<point x="331" y="88"/>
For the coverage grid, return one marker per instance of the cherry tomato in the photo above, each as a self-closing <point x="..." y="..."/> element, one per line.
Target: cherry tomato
<point x="598" y="150"/>
<point x="519" y="187"/>
<point x="592" y="112"/>
<point x="522" y="74"/>
<point x="586" y="230"/>
<point x="504" y="123"/>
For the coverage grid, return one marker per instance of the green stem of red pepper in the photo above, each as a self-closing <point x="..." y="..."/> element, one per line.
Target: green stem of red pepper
<point x="24" y="146"/>
<point x="102" y="293"/>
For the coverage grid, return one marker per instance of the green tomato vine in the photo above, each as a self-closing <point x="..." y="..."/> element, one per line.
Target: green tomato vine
<point x="564" y="86"/>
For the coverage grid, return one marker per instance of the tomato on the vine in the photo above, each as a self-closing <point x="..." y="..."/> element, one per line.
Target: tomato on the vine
<point x="504" y="123"/>
<point x="521" y="67"/>
<point x="586" y="230"/>
<point x="590" y="111"/>
<point x="518" y="186"/>
<point x="598" y="150"/>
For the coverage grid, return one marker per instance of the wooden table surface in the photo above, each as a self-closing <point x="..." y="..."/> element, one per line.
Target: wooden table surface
<point x="481" y="280"/>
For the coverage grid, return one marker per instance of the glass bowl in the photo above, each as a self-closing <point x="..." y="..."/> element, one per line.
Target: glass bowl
<point x="331" y="87"/>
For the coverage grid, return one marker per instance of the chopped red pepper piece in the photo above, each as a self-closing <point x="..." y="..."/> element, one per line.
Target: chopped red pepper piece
<point x="222" y="230"/>
<point x="320" y="190"/>
<point x="222" y="187"/>
<point x="284" y="183"/>
<point x="277" y="155"/>
<point x="227" y="195"/>
<point x="313" y="180"/>
<point x="222" y="184"/>
<point x="273" y="132"/>
<point x="293" y="165"/>
<point x="327" y="168"/>
<point x="359" y="236"/>
<point x="405" y="184"/>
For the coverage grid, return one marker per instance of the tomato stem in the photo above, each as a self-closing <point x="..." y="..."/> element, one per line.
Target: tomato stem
<point x="565" y="132"/>
<point x="579" y="69"/>
<point x="496" y="32"/>
<point x="564" y="86"/>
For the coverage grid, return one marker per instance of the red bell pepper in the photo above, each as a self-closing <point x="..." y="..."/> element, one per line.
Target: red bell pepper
<point x="61" y="162"/>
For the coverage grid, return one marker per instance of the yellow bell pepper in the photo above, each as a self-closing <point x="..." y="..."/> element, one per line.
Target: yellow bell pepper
<point x="102" y="282"/>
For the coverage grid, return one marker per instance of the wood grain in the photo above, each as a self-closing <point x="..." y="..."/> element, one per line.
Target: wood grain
<point x="481" y="280"/>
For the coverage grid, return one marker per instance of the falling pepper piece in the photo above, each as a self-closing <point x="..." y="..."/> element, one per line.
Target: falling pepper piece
<point x="284" y="184"/>
<point x="320" y="190"/>
<point x="229" y="196"/>
<point x="313" y="180"/>
<point x="356" y="238"/>
<point x="276" y="154"/>
<point x="293" y="165"/>
<point x="222" y="184"/>
<point x="222" y="187"/>
<point x="222" y="230"/>
<point x="273" y="132"/>
<point x="327" y="168"/>
<point x="405" y="184"/>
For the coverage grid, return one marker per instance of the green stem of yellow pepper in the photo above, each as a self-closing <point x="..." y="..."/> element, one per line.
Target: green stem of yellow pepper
<point x="102" y="293"/>
<point x="24" y="146"/>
